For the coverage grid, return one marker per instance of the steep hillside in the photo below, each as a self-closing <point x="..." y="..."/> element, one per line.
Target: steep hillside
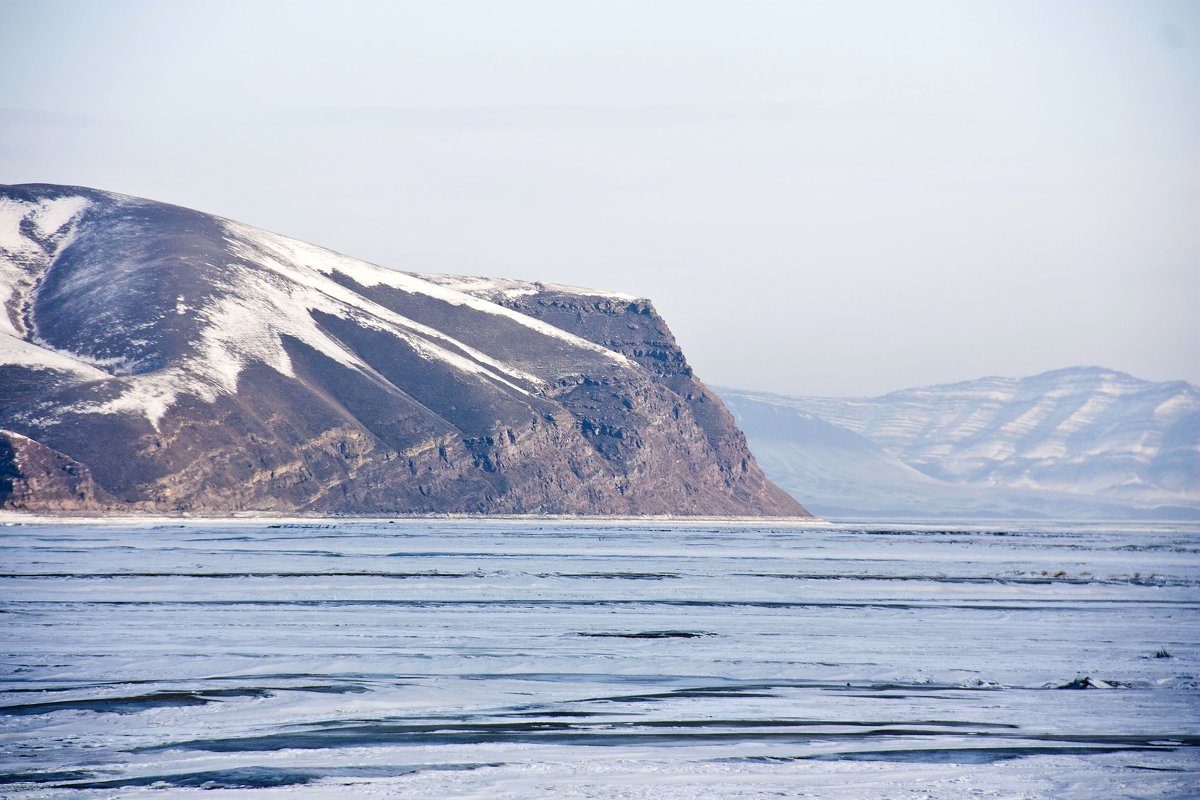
<point x="158" y="358"/>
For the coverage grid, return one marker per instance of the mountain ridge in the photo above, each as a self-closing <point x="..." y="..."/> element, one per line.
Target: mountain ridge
<point x="1069" y="439"/>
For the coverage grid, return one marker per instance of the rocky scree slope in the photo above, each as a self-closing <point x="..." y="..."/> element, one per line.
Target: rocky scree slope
<point x="155" y="358"/>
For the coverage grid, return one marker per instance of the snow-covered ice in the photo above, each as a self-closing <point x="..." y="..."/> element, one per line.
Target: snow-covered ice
<point x="541" y="658"/>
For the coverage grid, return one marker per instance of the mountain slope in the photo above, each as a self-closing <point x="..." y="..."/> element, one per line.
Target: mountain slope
<point x="166" y="359"/>
<point x="1075" y="442"/>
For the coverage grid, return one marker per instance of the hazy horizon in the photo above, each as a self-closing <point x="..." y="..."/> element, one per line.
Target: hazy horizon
<point x="821" y="199"/>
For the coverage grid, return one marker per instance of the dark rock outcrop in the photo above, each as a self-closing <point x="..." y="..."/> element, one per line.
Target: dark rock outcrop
<point x="32" y="476"/>
<point x="154" y="358"/>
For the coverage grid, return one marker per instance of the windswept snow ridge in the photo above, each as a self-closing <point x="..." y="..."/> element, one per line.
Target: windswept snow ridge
<point x="506" y="288"/>
<point x="267" y="290"/>
<point x="16" y="351"/>
<point x="294" y="252"/>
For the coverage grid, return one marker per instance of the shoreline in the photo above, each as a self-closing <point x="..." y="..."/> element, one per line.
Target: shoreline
<point x="10" y="519"/>
<point x="22" y="518"/>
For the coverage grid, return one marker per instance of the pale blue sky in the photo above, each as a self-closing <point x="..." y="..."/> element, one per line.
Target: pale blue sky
<point x="821" y="197"/>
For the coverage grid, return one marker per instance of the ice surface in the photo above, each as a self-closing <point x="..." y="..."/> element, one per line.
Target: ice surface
<point x="459" y="658"/>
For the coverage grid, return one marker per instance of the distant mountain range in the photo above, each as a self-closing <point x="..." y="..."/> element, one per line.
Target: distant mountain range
<point x="1084" y="442"/>
<point x="155" y="358"/>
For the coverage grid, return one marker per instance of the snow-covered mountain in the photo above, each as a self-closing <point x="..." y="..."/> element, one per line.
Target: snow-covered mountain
<point x="1075" y="442"/>
<point x="157" y="358"/>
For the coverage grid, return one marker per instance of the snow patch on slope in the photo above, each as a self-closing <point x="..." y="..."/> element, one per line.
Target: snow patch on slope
<point x="52" y="215"/>
<point x="267" y="297"/>
<point x="1176" y="406"/>
<point x="327" y="262"/>
<point x="26" y="354"/>
<point x="270" y="287"/>
<point x="23" y="259"/>
<point x="320" y="293"/>
<point x="508" y="288"/>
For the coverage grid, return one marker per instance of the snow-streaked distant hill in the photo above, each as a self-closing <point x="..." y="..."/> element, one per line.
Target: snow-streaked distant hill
<point x="1078" y="442"/>
<point x="155" y="358"/>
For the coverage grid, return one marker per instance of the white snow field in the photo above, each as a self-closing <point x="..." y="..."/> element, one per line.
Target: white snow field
<point x="557" y="659"/>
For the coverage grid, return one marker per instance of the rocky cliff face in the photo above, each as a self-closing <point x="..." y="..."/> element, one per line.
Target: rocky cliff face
<point x="154" y="358"/>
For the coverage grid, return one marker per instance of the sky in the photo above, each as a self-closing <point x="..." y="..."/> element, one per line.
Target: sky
<point x="828" y="198"/>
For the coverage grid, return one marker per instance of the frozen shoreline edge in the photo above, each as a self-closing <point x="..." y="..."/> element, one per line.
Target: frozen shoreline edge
<point x="18" y="517"/>
<point x="9" y="518"/>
